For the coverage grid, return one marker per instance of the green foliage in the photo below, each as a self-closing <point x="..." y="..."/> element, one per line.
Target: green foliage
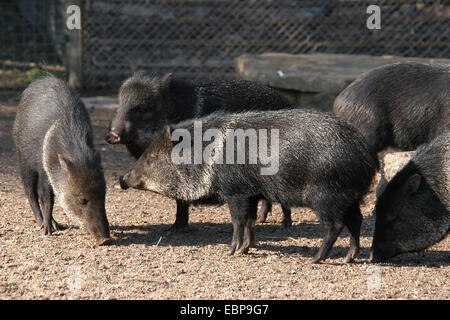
<point x="18" y="77"/>
<point x="32" y="74"/>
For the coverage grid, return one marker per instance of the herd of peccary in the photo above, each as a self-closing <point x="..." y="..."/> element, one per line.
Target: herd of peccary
<point x="240" y="143"/>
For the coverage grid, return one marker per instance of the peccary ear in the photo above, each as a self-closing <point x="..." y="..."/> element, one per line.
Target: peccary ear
<point x="166" y="79"/>
<point x="167" y="132"/>
<point x="66" y="165"/>
<point x="412" y="184"/>
<point x="168" y="136"/>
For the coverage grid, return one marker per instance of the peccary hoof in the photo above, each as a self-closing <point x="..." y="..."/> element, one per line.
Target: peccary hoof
<point x="123" y="185"/>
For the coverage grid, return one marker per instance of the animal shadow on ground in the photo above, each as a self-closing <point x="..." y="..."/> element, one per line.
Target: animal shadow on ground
<point x="206" y="233"/>
<point x="267" y="235"/>
<point x="427" y="258"/>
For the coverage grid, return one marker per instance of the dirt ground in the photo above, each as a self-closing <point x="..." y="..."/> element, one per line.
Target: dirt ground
<point x="147" y="262"/>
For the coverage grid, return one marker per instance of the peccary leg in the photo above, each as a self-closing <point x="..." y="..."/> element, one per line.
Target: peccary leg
<point x="332" y="231"/>
<point x="249" y="230"/>
<point x="352" y="220"/>
<point x="30" y="180"/>
<point x="266" y="207"/>
<point x="287" y="221"/>
<point x="243" y="216"/>
<point x="182" y="217"/>
<point x="47" y="198"/>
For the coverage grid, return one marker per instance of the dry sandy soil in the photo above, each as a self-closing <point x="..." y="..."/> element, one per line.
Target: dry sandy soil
<point x="147" y="262"/>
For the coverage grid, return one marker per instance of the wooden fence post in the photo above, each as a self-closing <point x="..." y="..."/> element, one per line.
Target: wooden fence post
<point x="74" y="47"/>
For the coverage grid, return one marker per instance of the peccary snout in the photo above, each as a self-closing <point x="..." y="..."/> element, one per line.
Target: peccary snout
<point x="132" y="179"/>
<point x="112" y="137"/>
<point x="97" y="224"/>
<point x="101" y="233"/>
<point x="381" y="254"/>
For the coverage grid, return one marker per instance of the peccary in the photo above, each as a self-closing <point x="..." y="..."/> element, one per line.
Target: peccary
<point x="412" y="212"/>
<point x="56" y="155"/>
<point x="148" y="103"/>
<point x="316" y="160"/>
<point x="402" y="105"/>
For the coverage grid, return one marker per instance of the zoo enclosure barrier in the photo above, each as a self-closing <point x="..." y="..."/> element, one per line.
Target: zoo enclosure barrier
<point x="199" y="39"/>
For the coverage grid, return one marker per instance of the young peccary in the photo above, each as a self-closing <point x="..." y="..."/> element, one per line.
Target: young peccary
<point x="56" y="155"/>
<point x="316" y="160"/>
<point x="402" y="105"/>
<point x="412" y="212"/>
<point x="148" y="103"/>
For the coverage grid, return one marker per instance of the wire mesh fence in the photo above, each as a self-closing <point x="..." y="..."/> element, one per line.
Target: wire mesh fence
<point x="32" y="39"/>
<point x="199" y="39"/>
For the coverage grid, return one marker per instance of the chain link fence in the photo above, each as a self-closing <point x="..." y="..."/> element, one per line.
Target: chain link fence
<point x="199" y="39"/>
<point x="32" y="40"/>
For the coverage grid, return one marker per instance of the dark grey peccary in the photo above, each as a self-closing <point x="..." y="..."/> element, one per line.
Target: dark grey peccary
<point x="402" y="105"/>
<point x="148" y="103"/>
<point x="323" y="164"/>
<point x="412" y="211"/>
<point x="56" y="155"/>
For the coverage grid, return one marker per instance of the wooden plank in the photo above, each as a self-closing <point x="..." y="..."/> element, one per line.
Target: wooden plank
<point x="347" y="20"/>
<point x="313" y="72"/>
<point x="261" y="44"/>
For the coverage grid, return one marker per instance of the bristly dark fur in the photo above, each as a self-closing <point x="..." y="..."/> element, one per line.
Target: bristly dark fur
<point x="324" y="164"/>
<point x="150" y="102"/>
<point x="413" y="216"/>
<point x="56" y="155"/>
<point x="147" y="103"/>
<point x="402" y="105"/>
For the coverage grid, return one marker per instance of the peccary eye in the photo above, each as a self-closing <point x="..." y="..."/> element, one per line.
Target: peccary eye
<point x="84" y="202"/>
<point x="141" y="108"/>
<point x="138" y="112"/>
